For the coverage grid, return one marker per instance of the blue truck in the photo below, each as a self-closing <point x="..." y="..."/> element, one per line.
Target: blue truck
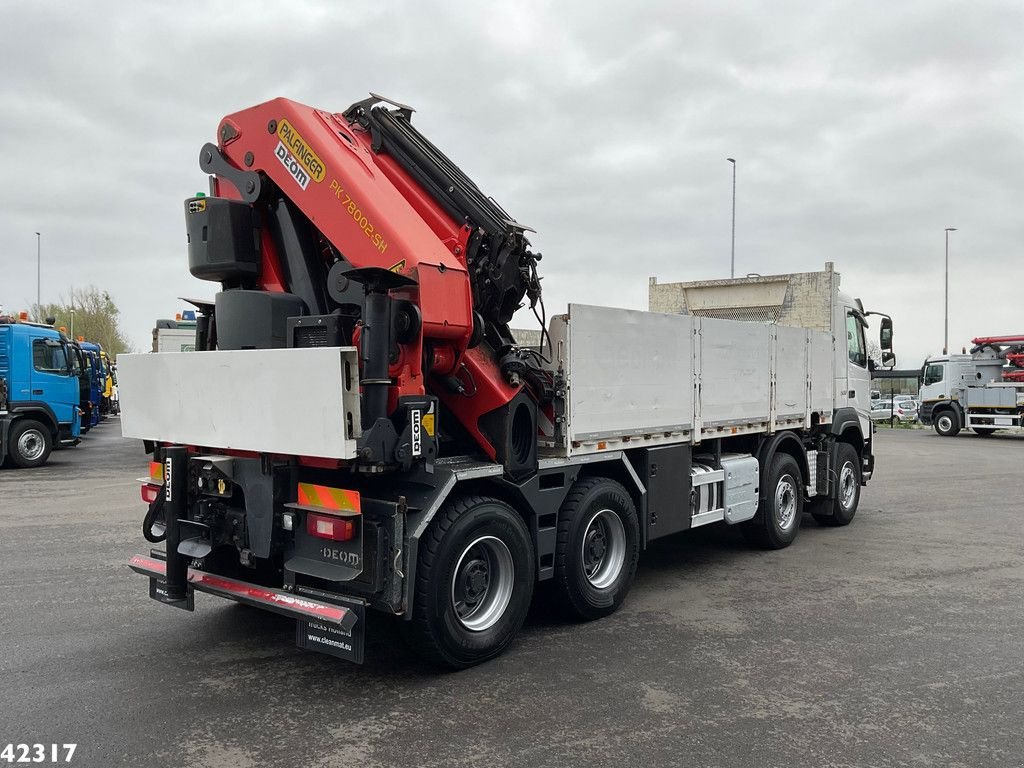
<point x="39" y="392"/>
<point x="92" y="354"/>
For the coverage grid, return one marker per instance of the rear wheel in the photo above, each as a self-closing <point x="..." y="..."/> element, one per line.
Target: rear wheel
<point x="597" y="549"/>
<point x="841" y="509"/>
<point x="947" y="424"/>
<point x="29" y="443"/>
<point x="474" y="581"/>
<point x="982" y="431"/>
<point x="777" y="523"/>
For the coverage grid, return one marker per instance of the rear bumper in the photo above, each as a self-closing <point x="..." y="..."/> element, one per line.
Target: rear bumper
<point x="275" y="600"/>
<point x="320" y="625"/>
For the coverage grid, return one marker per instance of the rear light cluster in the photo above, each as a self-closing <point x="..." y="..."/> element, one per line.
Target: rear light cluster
<point x="153" y="485"/>
<point x="330" y="527"/>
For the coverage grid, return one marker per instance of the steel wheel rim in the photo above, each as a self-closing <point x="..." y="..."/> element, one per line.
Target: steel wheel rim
<point x="945" y="423"/>
<point x="847" y="485"/>
<point x="31" y="444"/>
<point x="603" y="550"/>
<point x="482" y="583"/>
<point x="785" y="502"/>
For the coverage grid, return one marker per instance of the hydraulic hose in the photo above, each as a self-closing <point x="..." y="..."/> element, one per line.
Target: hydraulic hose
<point x="156" y="507"/>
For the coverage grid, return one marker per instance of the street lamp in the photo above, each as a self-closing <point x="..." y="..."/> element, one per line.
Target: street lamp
<point x="945" y="337"/>
<point x="732" y="261"/>
<point x="39" y="272"/>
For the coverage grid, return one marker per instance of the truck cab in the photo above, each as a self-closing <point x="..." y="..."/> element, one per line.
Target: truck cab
<point x="39" y="393"/>
<point x="970" y="391"/>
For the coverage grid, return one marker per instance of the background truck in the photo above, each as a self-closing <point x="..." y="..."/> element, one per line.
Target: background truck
<point x="93" y="352"/>
<point x="178" y="335"/>
<point x="39" y="391"/>
<point x="982" y="391"/>
<point x="364" y="433"/>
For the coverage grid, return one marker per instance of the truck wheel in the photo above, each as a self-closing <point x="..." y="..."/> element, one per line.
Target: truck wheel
<point x="29" y="443"/>
<point x="841" y="509"/>
<point x="474" y="581"/>
<point x="597" y="549"/>
<point x="777" y="524"/>
<point x="947" y="424"/>
<point x="983" y="431"/>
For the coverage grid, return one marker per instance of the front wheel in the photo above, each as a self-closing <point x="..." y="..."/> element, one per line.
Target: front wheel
<point x="597" y="549"/>
<point x="777" y="523"/>
<point x="947" y="424"/>
<point x="474" y="581"/>
<point x="841" y="509"/>
<point x="30" y="444"/>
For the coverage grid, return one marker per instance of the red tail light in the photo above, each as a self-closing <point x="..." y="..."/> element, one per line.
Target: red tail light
<point x="330" y="527"/>
<point x="149" y="492"/>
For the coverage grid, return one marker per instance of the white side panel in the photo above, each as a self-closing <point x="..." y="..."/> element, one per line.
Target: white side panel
<point x="301" y="402"/>
<point x="630" y="372"/>
<point x="735" y="372"/>
<point x="791" y="373"/>
<point x="822" y="380"/>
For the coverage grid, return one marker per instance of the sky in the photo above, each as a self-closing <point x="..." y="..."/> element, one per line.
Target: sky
<point x="861" y="130"/>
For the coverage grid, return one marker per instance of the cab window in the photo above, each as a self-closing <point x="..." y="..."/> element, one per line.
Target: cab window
<point x="933" y="374"/>
<point x="49" y="357"/>
<point x="855" y="341"/>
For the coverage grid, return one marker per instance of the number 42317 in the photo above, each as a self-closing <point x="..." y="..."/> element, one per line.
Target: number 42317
<point x="37" y="753"/>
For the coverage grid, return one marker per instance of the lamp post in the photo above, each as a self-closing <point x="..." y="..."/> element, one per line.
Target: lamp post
<point x="945" y="336"/>
<point x="72" y="325"/>
<point x="732" y="260"/>
<point x="39" y="272"/>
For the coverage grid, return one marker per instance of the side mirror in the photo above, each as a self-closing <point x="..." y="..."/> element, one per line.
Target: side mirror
<point x="871" y="364"/>
<point x="885" y="335"/>
<point x="888" y="359"/>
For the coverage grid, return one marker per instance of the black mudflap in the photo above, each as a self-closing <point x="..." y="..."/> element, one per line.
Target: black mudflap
<point x="312" y="635"/>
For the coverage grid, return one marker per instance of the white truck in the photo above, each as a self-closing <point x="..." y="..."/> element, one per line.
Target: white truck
<point x="363" y="432"/>
<point x="982" y="391"/>
<point x="176" y="335"/>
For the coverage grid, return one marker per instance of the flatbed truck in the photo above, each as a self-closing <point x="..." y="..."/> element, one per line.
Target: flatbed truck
<point x="361" y="431"/>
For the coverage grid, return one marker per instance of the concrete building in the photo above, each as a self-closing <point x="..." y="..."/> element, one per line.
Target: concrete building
<point x="798" y="299"/>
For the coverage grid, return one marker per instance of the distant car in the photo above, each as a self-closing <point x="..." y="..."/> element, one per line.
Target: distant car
<point x="900" y="411"/>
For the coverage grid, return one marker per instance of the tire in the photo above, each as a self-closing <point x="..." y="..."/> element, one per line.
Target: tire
<point x="29" y="443"/>
<point x="841" y="509"/>
<point x="947" y="423"/>
<point x="983" y="431"/>
<point x="777" y="522"/>
<point x="597" y="549"/>
<point x="474" y="581"/>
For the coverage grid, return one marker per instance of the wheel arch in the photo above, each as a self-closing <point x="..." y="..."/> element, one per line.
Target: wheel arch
<point x="782" y="442"/>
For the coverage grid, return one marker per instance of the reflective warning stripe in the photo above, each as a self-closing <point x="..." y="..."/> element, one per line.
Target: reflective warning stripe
<point x="329" y="498"/>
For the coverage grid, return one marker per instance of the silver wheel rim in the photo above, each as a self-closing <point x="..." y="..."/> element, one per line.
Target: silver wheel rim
<point x="31" y="444"/>
<point x="482" y="583"/>
<point x="945" y="423"/>
<point x="785" y="502"/>
<point x="847" y="485"/>
<point x="603" y="549"/>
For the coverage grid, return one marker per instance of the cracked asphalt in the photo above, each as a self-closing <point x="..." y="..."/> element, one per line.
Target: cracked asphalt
<point x="896" y="641"/>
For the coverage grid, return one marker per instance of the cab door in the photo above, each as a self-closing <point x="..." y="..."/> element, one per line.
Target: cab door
<point x="858" y="374"/>
<point x="52" y="381"/>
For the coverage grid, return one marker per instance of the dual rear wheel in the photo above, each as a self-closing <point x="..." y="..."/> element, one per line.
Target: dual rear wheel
<point x="477" y="567"/>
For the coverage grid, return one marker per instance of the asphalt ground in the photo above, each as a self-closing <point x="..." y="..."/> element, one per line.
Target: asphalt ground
<point x="896" y="641"/>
